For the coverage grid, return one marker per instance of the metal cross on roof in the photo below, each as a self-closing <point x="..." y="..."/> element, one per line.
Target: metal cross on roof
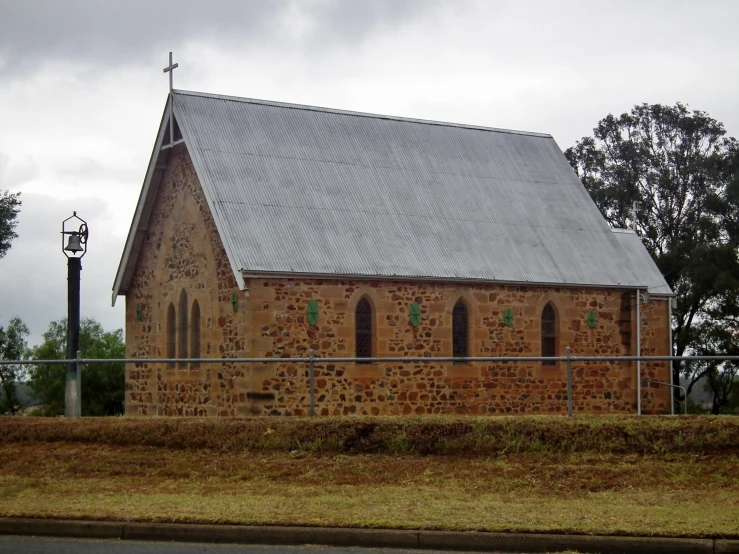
<point x="170" y="69"/>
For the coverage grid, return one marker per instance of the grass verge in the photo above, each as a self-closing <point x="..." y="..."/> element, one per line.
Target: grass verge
<point x="62" y="471"/>
<point x="427" y="435"/>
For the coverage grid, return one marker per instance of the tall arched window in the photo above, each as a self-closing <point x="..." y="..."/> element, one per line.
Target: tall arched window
<point x="460" y="330"/>
<point x="548" y="334"/>
<point x="363" y="325"/>
<point x="171" y="334"/>
<point x="182" y="329"/>
<point x="195" y="333"/>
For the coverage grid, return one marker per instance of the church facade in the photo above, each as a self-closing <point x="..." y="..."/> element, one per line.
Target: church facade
<point x="265" y="230"/>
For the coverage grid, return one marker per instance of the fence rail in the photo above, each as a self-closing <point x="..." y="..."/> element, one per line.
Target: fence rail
<point x="312" y="359"/>
<point x="307" y="359"/>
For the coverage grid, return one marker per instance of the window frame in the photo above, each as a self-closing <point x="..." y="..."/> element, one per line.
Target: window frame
<point x="182" y="329"/>
<point x="194" y="322"/>
<point x="549" y="334"/>
<point x="364" y="330"/>
<point x="171" y="335"/>
<point x="460" y="331"/>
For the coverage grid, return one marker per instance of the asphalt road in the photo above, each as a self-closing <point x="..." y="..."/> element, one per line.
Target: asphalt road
<point x="47" y="545"/>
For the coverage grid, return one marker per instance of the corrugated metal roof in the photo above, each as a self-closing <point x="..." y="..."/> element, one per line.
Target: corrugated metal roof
<point x="642" y="262"/>
<point x="327" y="192"/>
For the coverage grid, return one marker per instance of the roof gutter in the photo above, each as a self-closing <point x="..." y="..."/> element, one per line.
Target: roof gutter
<point x="251" y="274"/>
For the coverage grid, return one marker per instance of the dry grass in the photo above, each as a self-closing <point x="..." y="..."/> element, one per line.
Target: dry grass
<point x="678" y="494"/>
<point x="428" y="435"/>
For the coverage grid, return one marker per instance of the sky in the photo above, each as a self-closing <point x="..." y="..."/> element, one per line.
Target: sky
<point x="82" y="92"/>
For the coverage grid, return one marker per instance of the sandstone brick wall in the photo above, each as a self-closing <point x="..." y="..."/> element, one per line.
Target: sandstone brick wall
<point x="182" y="251"/>
<point x="279" y="321"/>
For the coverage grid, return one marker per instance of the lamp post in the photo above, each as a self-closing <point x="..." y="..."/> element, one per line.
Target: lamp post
<point x="75" y="248"/>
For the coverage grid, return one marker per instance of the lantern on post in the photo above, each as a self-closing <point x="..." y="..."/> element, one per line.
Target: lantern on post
<point x="74" y="229"/>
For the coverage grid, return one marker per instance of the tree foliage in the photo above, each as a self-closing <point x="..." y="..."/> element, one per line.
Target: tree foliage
<point x="720" y="378"/>
<point x="10" y="205"/>
<point x="102" y="384"/>
<point x="683" y="172"/>
<point x="12" y="347"/>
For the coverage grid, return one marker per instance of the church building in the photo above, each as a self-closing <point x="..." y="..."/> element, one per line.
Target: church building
<point x="265" y="230"/>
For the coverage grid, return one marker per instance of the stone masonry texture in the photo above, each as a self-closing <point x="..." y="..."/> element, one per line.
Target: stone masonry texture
<point x="183" y="252"/>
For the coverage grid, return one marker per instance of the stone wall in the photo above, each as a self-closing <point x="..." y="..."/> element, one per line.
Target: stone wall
<point x="182" y="251"/>
<point x="279" y="319"/>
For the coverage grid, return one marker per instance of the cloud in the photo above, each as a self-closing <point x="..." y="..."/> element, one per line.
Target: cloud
<point x="114" y="33"/>
<point x="13" y="176"/>
<point x="82" y="91"/>
<point x="33" y="275"/>
<point x="111" y="32"/>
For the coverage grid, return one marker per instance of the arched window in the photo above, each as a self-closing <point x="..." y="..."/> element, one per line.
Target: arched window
<point x="182" y="329"/>
<point x="363" y="324"/>
<point x="460" y="328"/>
<point x="195" y="333"/>
<point x="548" y="334"/>
<point x="171" y="334"/>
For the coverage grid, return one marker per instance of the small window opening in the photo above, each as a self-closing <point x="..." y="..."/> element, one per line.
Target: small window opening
<point x="182" y="330"/>
<point x="195" y="334"/>
<point x="460" y="331"/>
<point x="548" y="334"/>
<point x="171" y="335"/>
<point x="363" y="324"/>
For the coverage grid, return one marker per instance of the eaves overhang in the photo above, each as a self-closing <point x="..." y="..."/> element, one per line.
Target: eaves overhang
<point x="158" y="164"/>
<point x="139" y="224"/>
<point x="251" y="274"/>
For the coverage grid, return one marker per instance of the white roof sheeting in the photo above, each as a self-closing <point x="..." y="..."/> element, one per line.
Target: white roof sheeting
<point x="300" y="189"/>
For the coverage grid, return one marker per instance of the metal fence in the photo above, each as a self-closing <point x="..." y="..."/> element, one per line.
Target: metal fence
<point x="74" y="386"/>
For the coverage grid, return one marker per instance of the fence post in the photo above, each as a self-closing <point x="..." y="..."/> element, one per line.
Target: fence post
<point x="569" y="382"/>
<point x="78" y="400"/>
<point x="311" y="370"/>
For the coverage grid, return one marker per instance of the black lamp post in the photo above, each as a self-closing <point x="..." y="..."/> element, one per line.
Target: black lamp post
<point x="75" y="248"/>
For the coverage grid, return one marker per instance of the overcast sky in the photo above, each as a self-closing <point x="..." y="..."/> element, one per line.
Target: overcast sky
<point x="82" y="91"/>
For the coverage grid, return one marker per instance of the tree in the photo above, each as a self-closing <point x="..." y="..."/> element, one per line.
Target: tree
<point x="10" y="205"/>
<point x="683" y="172"/>
<point x="12" y="347"/>
<point x="720" y="377"/>
<point x="102" y="384"/>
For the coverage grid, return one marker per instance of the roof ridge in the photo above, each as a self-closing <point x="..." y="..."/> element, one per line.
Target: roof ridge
<point x="337" y="111"/>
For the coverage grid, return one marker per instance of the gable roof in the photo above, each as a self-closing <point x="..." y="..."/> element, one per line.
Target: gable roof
<point x="305" y="190"/>
<point x="642" y="263"/>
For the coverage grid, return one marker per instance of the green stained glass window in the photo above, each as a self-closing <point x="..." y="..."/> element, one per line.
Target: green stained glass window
<point x="508" y="317"/>
<point x="591" y="319"/>
<point x="415" y="314"/>
<point x="313" y="312"/>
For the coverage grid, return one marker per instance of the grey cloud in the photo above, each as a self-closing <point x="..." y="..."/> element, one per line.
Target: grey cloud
<point x="11" y="177"/>
<point x="93" y="30"/>
<point x="33" y="275"/>
<point x="87" y="170"/>
<point x="97" y="32"/>
<point x="352" y="21"/>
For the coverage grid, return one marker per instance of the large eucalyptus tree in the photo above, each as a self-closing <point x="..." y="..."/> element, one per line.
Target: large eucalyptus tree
<point x="682" y="170"/>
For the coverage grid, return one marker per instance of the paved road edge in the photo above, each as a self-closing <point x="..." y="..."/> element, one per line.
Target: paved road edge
<point x="333" y="536"/>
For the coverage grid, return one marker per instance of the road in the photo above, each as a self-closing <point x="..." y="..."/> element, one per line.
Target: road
<point x="47" y="545"/>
